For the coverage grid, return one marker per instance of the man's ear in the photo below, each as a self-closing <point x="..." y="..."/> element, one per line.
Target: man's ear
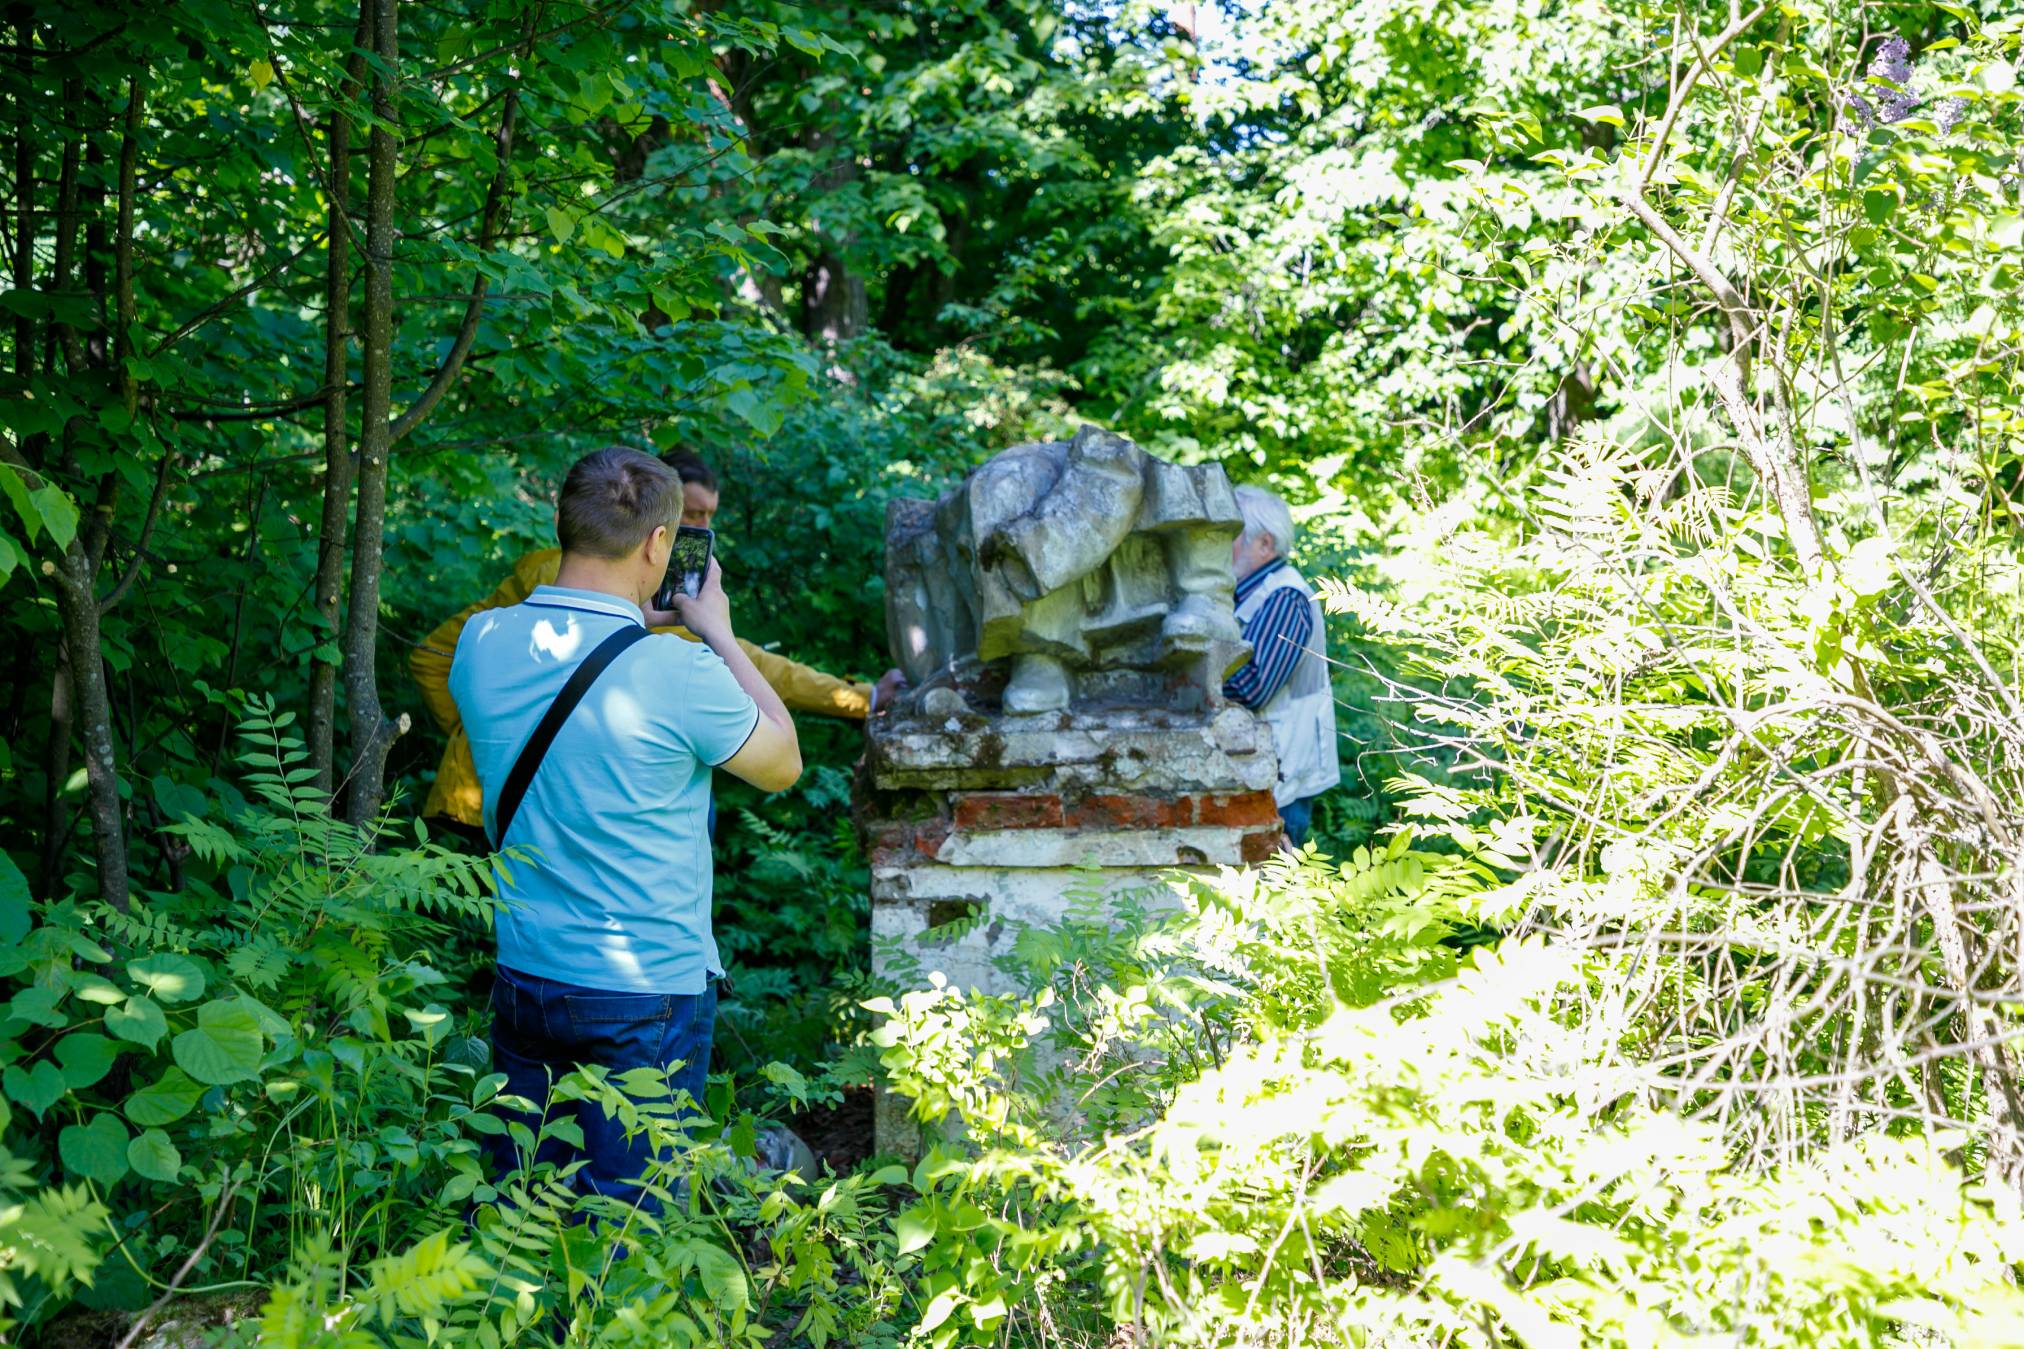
<point x="658" y="545"/>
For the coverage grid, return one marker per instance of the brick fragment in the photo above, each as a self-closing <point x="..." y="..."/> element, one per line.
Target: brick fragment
<point x="1246" y="809"/>
<point x="1110" y="811"/>
<point x="888" y="846"/>
<point x="1261" y="845"/>
<point x="1007" y="810"/>
<point x="929" y="836"/>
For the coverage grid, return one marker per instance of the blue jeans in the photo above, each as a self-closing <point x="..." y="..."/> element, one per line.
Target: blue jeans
<point x="1298" y="817"/>
<point x="544" y="1028"/>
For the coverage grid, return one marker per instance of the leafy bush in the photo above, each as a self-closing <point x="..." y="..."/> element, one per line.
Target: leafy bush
<point x="1305" y="1115"/>
<point x="254" y="1059"/>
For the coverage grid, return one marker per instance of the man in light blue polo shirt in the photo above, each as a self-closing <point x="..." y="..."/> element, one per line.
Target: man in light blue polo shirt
<point x="605" y="950"/>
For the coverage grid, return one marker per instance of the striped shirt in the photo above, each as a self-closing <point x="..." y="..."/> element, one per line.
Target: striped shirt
<point x="1278" y="634"/>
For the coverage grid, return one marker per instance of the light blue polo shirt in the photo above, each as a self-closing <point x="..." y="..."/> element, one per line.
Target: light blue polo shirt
<point x="617" y="895"/>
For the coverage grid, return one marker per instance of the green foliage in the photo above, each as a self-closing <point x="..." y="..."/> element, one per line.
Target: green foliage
<point x="1339" y="1122"/>
<point x="1650" y="400"/>
<point x="262" y="1028"/>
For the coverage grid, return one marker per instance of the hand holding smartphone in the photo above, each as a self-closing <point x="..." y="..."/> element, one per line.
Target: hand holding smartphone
<point x="688" y="564"/>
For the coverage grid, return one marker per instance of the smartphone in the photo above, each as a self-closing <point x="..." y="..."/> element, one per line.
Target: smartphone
<point x="688" y="564"/>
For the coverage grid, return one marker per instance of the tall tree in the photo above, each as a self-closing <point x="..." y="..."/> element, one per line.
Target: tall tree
<point x="338" y="465"/>
<point x="372" y="731"/>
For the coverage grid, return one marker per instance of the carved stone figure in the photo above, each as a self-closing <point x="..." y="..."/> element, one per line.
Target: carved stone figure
<point x="1101" y="573"/>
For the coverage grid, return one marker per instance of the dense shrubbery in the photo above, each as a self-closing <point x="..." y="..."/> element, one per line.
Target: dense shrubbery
<point x="1652" y="401"/>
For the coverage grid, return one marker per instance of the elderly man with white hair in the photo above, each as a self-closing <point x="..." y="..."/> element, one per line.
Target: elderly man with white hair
<point x="1286" y="680"/>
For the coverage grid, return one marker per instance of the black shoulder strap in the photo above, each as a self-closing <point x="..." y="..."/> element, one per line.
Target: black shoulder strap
<point x="536" y="748"/>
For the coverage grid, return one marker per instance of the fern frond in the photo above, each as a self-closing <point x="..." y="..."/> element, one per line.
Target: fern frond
<point x="425" y="1280"/>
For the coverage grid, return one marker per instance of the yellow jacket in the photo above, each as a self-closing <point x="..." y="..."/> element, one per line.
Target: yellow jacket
<point x="456" y="792"/>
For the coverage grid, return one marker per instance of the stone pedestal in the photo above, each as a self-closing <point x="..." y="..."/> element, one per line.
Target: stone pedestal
<point x="980" y="823"/>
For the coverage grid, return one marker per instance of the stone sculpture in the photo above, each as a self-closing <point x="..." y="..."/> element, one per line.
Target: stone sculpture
<point x="1101" y="573"/>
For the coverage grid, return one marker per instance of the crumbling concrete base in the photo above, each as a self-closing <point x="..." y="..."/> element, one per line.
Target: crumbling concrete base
<point x="978" y="826"/>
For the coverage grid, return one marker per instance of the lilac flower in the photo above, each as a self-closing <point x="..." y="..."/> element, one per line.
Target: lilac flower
<point x="1856" y="112"/>
<point x="1894" y="105"/>
<point x="1893" y="62"/>
<point x="1877" y="103"/>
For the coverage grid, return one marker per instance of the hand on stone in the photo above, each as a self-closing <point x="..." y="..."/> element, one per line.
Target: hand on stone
<point x="889" y="687"/>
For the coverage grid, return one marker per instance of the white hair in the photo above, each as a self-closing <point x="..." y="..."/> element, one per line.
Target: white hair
<point x="1266" y="515"/>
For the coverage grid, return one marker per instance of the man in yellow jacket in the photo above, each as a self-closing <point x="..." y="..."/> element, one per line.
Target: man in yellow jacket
<point x="456" y="794"/>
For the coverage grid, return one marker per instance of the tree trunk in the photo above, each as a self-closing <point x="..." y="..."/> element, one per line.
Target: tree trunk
<point x="76" y="576"/>
<point x="337" y="462"/>
<point x="77" y="606"/>
<point x="56" y="767"/>
<point x="24" y="208"/>
<point x="66" y="231"/>
<point x="371" y="733"/>
<point x="833" y="307"/>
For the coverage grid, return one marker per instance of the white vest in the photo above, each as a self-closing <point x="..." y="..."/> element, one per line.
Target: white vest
<point x="1302" y="713"/>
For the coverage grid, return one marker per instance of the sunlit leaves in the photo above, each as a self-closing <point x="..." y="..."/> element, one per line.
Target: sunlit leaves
<point x="170" y="978"/>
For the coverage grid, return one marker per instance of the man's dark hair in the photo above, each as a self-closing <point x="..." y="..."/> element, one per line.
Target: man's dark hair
<point x="612" y="499"/>
<point x="689" y="466"/>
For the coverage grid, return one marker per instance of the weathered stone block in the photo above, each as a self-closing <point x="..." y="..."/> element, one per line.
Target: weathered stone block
<point x="976" y="827"/>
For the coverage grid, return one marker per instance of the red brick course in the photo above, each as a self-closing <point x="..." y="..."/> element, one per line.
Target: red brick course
<point x="1250" y="808"/>
<point x="1007" y="810"/>
<point x="1128" y="812"/>
<point x="896" y="844"/>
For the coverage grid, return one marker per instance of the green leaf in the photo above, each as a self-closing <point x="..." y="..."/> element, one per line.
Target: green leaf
<point x="1879" y="206"/>
<point x="1998" y="77"/>
<point x="86" y="1057"/>
<point x="560" y="224"/>
<point x="261" y="72"/>
<point x="154" y="1156"/>
<point x="722" y="1277"/>
<point x="223" y="1047"/>
<point x="178" y="800"/>
<point x="940" y="1309"/>
<point x="16" y="488"/>
<point x="172" y="978"/>
<point x="37" y="1005"/>
<point x="96" y="988"/>
<point x="164" y="1101"/>
<point x="38" y="1088"/>
<point x="97" y="1150"/>
<point x="915" y="1229"/>
<point x="14" y="902"/>
<point x="1602" y="112"/>
<point x="140" y="1021"/>
<point x="58" y="512"/>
